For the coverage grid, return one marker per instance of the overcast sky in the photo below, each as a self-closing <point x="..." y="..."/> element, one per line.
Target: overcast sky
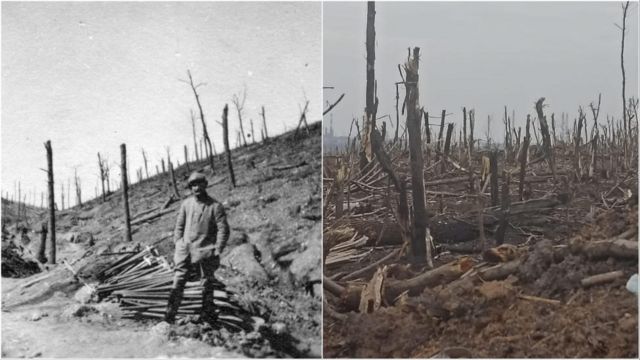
<point x="482" y="55"/>
<point x="92" y="75"/>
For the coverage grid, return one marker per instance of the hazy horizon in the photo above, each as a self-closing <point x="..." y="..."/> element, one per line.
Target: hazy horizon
<point x="482" y="55"/>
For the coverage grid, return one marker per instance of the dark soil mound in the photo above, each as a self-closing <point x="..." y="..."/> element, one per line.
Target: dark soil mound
<point x="13" y="265"/>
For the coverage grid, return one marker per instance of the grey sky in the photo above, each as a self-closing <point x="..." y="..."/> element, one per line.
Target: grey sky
<point x="92" y="75"/>
<point x="482" y="55"/>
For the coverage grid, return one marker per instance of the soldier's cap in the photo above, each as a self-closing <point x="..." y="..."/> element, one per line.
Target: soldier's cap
<point x="196" y="177"/>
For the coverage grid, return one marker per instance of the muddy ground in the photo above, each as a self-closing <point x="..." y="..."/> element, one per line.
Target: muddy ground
<point x="490" y="319"/>
<point x="272" y="263"/>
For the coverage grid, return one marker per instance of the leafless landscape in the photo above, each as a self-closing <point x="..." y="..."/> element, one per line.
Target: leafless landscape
<point x="444" y="242"/>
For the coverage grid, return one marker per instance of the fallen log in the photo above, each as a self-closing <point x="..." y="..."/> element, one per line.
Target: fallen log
<point x="528" y="206"/>
<point x="601" y="278"/>
<point x="500" y="271"/>
<point x="595" y="250"/>
<point x="151" y="216"/>
<point x="441" y="275"/>
<point x="350" y="295"/>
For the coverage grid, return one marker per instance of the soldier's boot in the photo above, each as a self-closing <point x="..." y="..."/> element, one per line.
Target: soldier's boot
<point x="175" y="298"/>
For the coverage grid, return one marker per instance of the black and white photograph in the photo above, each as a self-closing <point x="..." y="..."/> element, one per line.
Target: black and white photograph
<point x="480" y="179"/>
<point x="161" y="179"/>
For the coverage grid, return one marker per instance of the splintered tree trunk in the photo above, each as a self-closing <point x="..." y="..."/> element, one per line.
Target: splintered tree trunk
<point x="195" y="141"/>
<point x="395" y="138"/>
<point x="576" y="156"/>
<point x="523" y="159"/>
<point x="464" y="126"/>
<point x="418" y="245"/>
<point x="627" y="123"/>
<point x="19" y="201"/>
<point x="504" y="221"/>
<point x="186" y="158"/>
<point x="546" y="137"/>
<point x="146" y="169"/>
<point x="204" y="125"/>
<point x="447" y="145"/>
<point x="174" y="186"/>
<point x="101" y="167"/>
<point x="428" y="134"/>
<point x="594" y="139"/>
<point x="253" y="135"/>
<point x="78" y="189"/>
<point x="440" y="133"/>
<point x="472" y="122"/>
<point x="225" y="139"/>
<point x="52" y="205"/>
<point x="125" y="192"/>
<point x="61" y="197"/>
<point x="264" y="123"/>
<point x="43" y="243"/>
<point x="493" y="164"/>
<point x="553" y="129"/>
<point x="371" y="58"/>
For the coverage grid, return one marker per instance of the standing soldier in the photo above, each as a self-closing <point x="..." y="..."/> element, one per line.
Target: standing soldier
<point x="200" y="236"/>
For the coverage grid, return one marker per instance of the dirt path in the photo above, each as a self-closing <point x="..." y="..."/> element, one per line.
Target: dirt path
<point x="55" y="334"/>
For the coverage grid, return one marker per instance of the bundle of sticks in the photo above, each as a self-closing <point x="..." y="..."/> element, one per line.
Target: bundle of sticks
<point x="140" y="281"/>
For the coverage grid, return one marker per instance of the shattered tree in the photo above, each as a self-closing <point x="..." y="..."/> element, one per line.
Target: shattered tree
<point x="414" y="112"/>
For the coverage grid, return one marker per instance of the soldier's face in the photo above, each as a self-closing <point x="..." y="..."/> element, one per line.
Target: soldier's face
<point x="198" y="188"/>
